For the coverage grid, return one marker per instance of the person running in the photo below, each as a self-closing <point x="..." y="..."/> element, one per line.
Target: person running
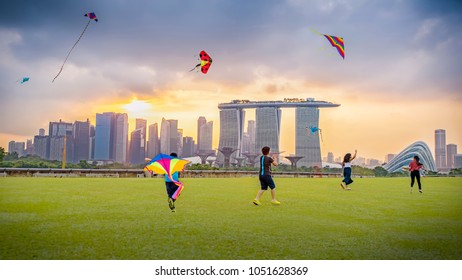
<point x="172" y="187"/>
<point x="265" y="177"/>
<point x="414" y="167"/>
<point x="346" y="164"/>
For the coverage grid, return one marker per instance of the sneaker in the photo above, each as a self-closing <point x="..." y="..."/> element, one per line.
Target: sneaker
<point x="410" y="190"/>
<point x="171" y="204"/>
<point x="256" y="202"/>
<point x="275" y="202"/>
<point x="347" y="189"/>
<point x="341" y="185"/>
<point x="173" y="210"/>
<point x="420" y="191"/>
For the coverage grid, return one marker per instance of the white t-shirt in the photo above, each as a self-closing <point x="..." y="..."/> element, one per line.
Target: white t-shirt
<point x="347" y="164"/>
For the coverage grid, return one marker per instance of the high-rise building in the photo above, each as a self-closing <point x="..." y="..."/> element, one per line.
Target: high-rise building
<point x="330" y="157"/>
<point x="307" y="146"/>
<point x="142" y="124"/>
<point x="81" y="131"/>
<point x="231" y="131"/>
<point x="206" y="137"/>
<point x="179" y="144"/>
<point x="153" y="141"/>
<point x="200" y="122"/>
<point x="165" y="136"/>
<point x="451" y="150"/>
<point x="268" y="128"/>
<point x="136" y="148"/>
<point x="18" y="147"/>
<point x="41" y="132"/>
<point x="42" y="145"/>
<point x="458" y="161"/>
<point x="120" y="135"/>
<point x="58" y="133"/>
<point x="440" y="149"/>
<point x="174" y="136"/>
<point x="245" y="143"/>
<point x="389" y="157"/>
<point x="92" y="142"/>
<point x="30" y="150"/>
<point x="104" y="137"/>
<point x="251" y="133"/>
<point x="188" y="147"/>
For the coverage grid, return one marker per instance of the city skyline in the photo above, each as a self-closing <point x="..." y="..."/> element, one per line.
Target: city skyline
<point x="398" y="83"/>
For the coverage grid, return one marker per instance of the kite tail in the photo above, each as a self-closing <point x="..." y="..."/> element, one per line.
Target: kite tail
<point x="60" y="70"/>
<point x="195" y="67"/>
<point x="316" y="32"/>
<point x="176" y="194"/>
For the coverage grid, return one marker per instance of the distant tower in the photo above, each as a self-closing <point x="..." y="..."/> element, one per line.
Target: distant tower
<point x="200" y="122"/>
<point x="451" y="152"/>
<point x="307" y="145"/>
<point x="268" y="128"/>
<point x="440" y="148"/>
<point x="153" y="141"/>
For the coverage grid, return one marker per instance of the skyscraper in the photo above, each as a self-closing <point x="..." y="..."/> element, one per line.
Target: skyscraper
<point x="58" y="133"/>
<point x="188" y="147"/>
<point x="206" y="137"/>
<point x="231" y="130"/>
<point x="330" y="157"/>
<point x="389" y="157"/>
<point x="135" y="154"/>
<point x="307" y="145"/>
<point x="268" y="128"/>
<point x="165" y="136"/>
<point x="174" y="137"/>
<point x="81" y="131"/>
<point x="458" y="161"/>
<point x="16" y="147"/>
<point x="153" y="141"/>
<point x="42" y="145"/>
<point x="30" y="150"/>
<point x="104" y="138"/>
<point x="451" y="152"/>
<point x="245" y="143"/>
<point x="440" y="148"/>
<point x="41" y="132"/>
<point x="200" y="122"/>
<point x="92" y="142"/>
<point x="120" y="135"/>
<point x="251" y="133"/>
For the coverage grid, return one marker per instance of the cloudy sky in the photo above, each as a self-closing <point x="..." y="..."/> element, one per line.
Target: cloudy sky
<point x="401" y="78"/>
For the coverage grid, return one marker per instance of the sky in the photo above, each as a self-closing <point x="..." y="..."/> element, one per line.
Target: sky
<point x="400" y="79"/>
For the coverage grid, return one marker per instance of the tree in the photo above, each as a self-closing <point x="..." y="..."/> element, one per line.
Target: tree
<point x="379" y="171"/>
<point x="11" y="156"/>
<point x="2" y="153"/>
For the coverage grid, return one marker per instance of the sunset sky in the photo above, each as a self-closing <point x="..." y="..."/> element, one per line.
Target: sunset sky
<point x="401" y="78"/>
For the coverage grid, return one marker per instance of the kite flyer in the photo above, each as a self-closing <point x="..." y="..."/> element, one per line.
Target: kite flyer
<point x="346" y="164"/>
<point x="265" y="177"/>
<point x="414" y="168"/>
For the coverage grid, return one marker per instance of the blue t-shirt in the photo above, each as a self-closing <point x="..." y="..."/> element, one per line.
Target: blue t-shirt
<point x="174" y="176"/>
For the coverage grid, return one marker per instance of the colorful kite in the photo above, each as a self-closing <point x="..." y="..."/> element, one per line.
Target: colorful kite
<point x="205" y="63"/>
<point x="165" y="164"/>
<point x="91" y="16"/>
<point x="23" y="80"/>
<point x="336" y="42"/>
<point x="312" y="130"/>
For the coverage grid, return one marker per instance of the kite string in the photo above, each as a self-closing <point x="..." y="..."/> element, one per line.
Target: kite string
<point x="62" y="66"/>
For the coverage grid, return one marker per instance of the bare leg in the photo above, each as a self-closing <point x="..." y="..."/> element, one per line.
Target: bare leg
<point x="259" y="194"/>
<point x="273" y="194"/>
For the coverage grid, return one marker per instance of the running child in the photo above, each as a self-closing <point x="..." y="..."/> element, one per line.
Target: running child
<point x="265" y="177"/>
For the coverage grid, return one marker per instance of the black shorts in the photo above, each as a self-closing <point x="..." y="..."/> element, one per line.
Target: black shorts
<point x="266" y="181"/>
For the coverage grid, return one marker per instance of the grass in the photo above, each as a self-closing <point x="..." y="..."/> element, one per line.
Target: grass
<point x="101" y="218"/>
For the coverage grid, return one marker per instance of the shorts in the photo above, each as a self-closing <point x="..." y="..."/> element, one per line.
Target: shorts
<point x="266" y="181"/>
<point x="171" y="188"/>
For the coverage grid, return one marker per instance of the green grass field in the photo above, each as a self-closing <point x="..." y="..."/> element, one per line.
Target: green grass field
<point x="80" y="218"/>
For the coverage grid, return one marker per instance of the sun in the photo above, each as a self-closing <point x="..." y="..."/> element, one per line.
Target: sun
<point x="138" y="108"/>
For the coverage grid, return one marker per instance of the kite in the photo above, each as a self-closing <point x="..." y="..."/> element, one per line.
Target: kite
<point x="336" y="42"/>
<point x="205" y="63"/>
<point x="91" y="16"/>
<point x="312" y="130"/>
<point x="165" y="164"/>
<point x="23" y="80"/>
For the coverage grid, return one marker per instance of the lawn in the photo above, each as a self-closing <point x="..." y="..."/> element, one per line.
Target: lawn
<point x="102" y="218"/>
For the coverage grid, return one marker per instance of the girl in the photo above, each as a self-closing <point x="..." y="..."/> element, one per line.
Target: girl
<point x="346" y="164"/>
<point x="414" y="168"/>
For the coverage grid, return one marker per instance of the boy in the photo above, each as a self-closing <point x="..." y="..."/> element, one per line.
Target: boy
<point x="265" y="177"/>
<point x="171" y="187"/>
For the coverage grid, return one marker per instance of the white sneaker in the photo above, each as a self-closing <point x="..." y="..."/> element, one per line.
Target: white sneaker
<point x="410" y="190"/>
